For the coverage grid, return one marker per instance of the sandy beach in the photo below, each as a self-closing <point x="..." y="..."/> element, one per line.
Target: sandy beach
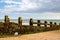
<point x="51" y="35"/>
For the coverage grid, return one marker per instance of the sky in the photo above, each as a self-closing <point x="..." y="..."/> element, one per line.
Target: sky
<point x="36" y="9"/>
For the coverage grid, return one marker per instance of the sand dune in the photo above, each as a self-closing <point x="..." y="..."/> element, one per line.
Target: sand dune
<point x="51" y="35"/>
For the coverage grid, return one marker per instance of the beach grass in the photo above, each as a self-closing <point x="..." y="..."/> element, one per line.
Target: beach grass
<point x="12" y="35"/>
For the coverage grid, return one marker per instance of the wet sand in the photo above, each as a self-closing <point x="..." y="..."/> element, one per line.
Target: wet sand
<point x="51" y="35"/>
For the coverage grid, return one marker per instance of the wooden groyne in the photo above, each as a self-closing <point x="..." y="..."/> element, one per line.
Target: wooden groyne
<point x="11" y="27"/>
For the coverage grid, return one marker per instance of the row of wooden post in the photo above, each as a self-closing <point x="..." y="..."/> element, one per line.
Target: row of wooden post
<point x="7" y="20"/>
<point x="39" y="23"/>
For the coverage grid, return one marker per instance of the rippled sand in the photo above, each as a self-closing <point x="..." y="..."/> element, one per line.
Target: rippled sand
<point x="51" y="35"/>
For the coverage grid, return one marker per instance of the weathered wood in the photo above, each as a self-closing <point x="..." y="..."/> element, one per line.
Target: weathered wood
<point x="45" y="23"/>
<point x="51" y="24"/>
<point x="38" y="21"/>
<point x="19" y="21"/>
<point x="31" y="22"/>
<point x="6" y="19"/>
<point x="55" y="25"/>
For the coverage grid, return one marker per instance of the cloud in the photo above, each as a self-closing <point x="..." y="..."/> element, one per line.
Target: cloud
<point x="20" y="6"/>
<point x="37" y="7"/>
<point x="12" y="6"/>
<point x="44" y="6"/>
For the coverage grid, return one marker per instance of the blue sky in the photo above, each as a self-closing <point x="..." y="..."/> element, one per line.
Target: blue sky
<point x="37" y="9"/>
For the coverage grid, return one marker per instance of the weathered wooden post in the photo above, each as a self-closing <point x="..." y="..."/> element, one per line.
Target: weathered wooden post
<point x="55" y="25"/>
<point x="38" y="22"/>
<point x="6" y="23"/>
<point x="31" y="22"/>
<point x="50" y="24"/>
<point x="45" y="23"/>
<point x="19" y="21"/>
<point x="6" y="19"/>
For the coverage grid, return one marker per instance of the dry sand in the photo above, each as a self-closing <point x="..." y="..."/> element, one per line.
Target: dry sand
<point x="51" y="35"/>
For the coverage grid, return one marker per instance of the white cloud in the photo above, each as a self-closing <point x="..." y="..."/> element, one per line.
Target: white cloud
<point x="30" y="4"/>
<point x="19" y="6"/>
<point x="46" y="1"/>
<point x="11" y="2"/>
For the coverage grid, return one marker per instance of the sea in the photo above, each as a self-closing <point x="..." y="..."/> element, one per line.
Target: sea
<point x="26" y="21"/>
